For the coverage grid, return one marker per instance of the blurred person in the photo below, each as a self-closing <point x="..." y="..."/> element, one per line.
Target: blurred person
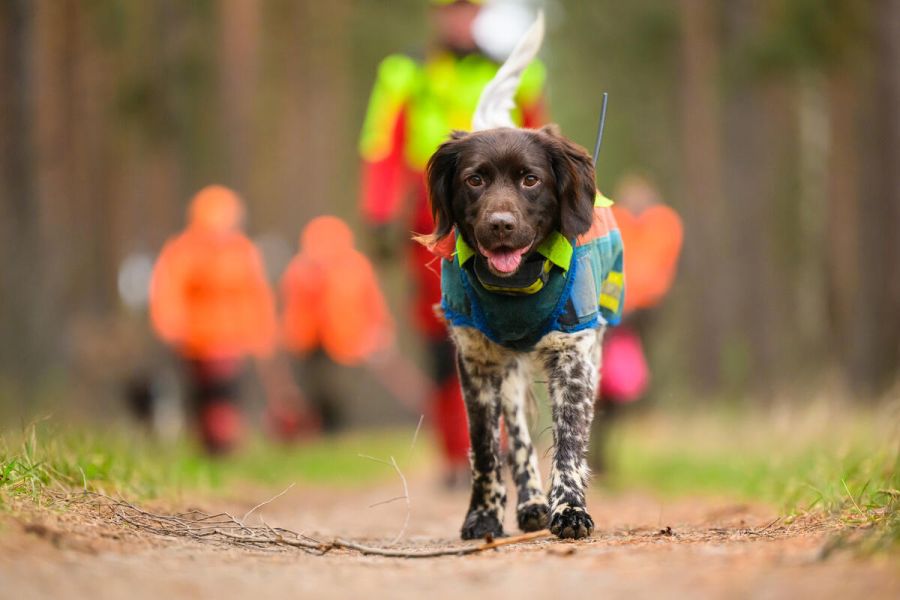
<point x="210" y="301"/>
<point x="413" y="107"/>
<point x="334" y="314"/>
<point x="652" y="234"/>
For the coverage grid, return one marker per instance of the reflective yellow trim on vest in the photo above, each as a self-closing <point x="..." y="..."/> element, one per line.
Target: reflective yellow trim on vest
<point x="463" y="250"/>
<point x="438" y="96"/>
<point x="611" y="291"/>
<point x="532" y="85"/>
<point x="602" y="201"/>
<point x="556" y="249"/>
<point x="397" y="79"/>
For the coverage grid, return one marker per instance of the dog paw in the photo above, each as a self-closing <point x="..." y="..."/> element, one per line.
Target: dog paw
<point x="571" y="522"/>
<point x="481" y="523"/>
<point x="533" y="516"/>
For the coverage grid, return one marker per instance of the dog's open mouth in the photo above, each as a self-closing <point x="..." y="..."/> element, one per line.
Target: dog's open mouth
<point x="503" y="259"/>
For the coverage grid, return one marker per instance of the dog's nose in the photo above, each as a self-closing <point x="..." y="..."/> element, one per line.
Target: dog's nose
<point x="502" y="222"/>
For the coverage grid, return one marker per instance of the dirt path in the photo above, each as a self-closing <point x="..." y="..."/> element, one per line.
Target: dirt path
<point x="716" y="549"/>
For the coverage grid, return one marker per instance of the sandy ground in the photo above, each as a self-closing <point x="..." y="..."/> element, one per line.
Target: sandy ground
<point x="715" y="549"/>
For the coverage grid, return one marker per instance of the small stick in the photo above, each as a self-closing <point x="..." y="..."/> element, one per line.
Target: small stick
<point x="458" y="551"/>
<point x="261" y="504"/>
<point x="374" y="459"/>
<point x="415" y="436"/>
<point x="408" y="503"/>
<point x="767" y="527"/>
<point x="388" y="501"/>
<point x="405" y="496"/>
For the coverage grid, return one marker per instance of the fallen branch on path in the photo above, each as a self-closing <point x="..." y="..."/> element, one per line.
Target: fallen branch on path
<point x="225" y="529"/>
<point x="455" y="551"/>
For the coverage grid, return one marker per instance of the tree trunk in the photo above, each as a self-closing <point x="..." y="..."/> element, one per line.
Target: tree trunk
<point x="706" y="252"/>
<point x="842" y="243"/>
<point x="19" y="215"/>
<point x="239" y="32"/>
<point x="876" y="353"/>
<point x="750" y="199"/>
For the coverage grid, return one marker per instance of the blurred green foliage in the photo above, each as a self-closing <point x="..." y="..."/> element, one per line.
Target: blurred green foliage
<point x="115" y="113"/>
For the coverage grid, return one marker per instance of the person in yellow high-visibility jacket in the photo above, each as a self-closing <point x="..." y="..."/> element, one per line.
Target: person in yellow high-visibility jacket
<point x="413" y="107"/>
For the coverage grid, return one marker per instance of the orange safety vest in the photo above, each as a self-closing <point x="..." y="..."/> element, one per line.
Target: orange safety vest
<point x="653" y="241"/>
<point x="331" y="297"/>
<point x="209" y="296"/>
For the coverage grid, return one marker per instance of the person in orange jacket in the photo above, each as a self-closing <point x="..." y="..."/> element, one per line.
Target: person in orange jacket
<point x="333" y="311"/>
<point x="652" y="234"/>
<point x="414" y="105"/>
<point x="210" y="301"/>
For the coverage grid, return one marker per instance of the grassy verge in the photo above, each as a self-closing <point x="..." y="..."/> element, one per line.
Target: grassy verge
<point x="45" y="457"/>
<point x="841" y="463"/>
<point x="830" y="460"/>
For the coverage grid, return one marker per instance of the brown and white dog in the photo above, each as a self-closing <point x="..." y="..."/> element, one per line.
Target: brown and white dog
<point x="504" y="192"/>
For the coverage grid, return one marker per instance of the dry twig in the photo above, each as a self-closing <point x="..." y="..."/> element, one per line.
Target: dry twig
<point x="261" y="504"/>
<point x="225" y="529"/>
<point x="405" y="496"/>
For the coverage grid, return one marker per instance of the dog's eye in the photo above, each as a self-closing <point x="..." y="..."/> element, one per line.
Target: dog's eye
<point x="530" y="180"/>
<point x="474" y="180"/>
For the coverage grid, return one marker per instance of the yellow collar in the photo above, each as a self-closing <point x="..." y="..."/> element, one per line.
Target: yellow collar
<point x="556" y="249"/>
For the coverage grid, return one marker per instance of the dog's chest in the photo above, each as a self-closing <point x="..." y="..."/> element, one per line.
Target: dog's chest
<point x="578" y="297"/>
<point x="516" y="321"/>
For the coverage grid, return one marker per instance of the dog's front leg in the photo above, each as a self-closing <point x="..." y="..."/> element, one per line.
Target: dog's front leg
<point x="571" y="362"/>
<point x="480" y="375"/>
<point x="532" y="509"/>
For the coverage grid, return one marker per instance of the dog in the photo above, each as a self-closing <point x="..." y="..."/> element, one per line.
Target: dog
<point x="531" y="275"/>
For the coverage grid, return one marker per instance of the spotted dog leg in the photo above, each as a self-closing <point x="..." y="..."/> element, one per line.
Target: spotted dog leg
<point x="532" y="510"/>
<point x="482" y="365"/>
<point x="571" y="362"/>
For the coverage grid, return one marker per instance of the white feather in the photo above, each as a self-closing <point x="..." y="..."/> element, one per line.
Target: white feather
<point x="497" y="98"/>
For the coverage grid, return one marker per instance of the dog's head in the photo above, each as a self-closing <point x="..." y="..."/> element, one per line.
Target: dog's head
<point x="507" y="190"/>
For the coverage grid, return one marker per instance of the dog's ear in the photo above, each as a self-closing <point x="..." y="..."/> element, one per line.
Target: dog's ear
<point x="573" y="169"/>
<point x="441" y="183"/>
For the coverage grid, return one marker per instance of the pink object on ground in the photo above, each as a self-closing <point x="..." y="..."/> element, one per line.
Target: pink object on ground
<point x="624" y="374"/>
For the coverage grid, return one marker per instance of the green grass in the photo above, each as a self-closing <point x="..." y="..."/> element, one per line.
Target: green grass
<point x="834" y="461"/>
<point x="45" y="457"/>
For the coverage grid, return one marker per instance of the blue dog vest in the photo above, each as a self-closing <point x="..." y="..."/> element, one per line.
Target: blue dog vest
<point x="581" y="286"/>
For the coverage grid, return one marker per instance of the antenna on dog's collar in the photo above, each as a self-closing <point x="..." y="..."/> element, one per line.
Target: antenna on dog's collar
<point x="600" y="128"/>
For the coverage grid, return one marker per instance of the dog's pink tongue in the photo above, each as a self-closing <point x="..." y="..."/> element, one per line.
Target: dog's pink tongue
<point x="506" y="261"/>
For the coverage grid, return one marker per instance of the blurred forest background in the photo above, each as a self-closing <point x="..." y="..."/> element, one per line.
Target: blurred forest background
<point x="772" y="126"/>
